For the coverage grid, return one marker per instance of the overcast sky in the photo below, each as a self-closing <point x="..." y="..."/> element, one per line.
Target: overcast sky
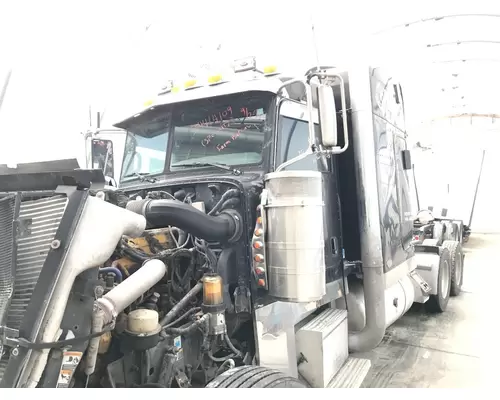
<point x="67" y="55"/>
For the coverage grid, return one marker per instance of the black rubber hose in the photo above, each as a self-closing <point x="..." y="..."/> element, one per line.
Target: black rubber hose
<point x="226" y="196"/>
<point x="162" y="213"/>
<point x="182" y="317"/>
<point x="181" y="304"/>
<point x="231" y="202"/>
<point x="202" y="322"/>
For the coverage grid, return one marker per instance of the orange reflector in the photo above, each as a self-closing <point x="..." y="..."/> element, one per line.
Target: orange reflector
<point x="257" y="245"/>
<point x="259" y="258"/>
<point x="259" y="220"/>
<point x="261" y="282"/>
<point x="259" y="270"/>
<point x="258" y="232"/>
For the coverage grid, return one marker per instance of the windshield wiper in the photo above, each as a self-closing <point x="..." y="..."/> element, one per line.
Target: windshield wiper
<point x="142" y="177"/>
<point x="209" y="164"/>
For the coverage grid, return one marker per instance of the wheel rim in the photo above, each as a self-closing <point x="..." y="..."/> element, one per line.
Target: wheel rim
<point x="458" y="269"/>
<point x="445" y="279"/>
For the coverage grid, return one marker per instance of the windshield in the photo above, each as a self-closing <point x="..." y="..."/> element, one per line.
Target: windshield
<point x="228" y="130"/>
<point x="145" y="155"/>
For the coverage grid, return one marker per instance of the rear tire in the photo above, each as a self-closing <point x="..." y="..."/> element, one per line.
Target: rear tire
<point x="437" y="303"/>
<point x="451" y="231"/>
<point x="460" y="231"/>
<point x="250" y="376"/>
<point x="457" y="266"/>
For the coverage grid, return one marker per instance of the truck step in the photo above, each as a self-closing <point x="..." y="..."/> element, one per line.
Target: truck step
<point x="352" y="374"/>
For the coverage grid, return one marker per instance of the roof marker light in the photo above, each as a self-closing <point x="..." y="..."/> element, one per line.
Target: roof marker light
<point x="149" y="103"/>
<point x="270" y="70"/>
<point x="215" y="79"/>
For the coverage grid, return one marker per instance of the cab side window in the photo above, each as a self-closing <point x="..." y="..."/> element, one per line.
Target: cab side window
<point x="293" y="140"/>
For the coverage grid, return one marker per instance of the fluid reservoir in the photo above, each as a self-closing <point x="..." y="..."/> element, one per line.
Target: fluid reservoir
<point x="295" y="235"/>
<point x="142" y="321"/>
<point x="212" y="290"/>
<point x="142" y="331"/>
<point x="213" y="304"/>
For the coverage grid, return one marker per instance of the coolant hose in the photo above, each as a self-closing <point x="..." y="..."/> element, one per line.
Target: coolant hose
<point x="116" y="300"/>
<point x="119" y="298"/>
<point x="161" y="213"/>
<point x="114" y="270"/>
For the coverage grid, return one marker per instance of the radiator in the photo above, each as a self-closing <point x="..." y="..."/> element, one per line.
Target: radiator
<point x="38" y="222"/>
<point x="7" y="209"/>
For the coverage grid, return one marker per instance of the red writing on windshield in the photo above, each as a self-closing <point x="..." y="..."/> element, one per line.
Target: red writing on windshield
<point x="222" y="146"/>
<point x="246" y="113"/>
<point x="222" y="118"/>
<point x="206" y="141"/>
<point x="218" y="117"/>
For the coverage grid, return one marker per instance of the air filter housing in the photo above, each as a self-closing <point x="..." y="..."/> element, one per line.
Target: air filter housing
<point x="295" y="235"/>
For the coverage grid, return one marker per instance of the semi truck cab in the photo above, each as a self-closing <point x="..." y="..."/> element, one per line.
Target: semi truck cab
<point x="268" y="237"/>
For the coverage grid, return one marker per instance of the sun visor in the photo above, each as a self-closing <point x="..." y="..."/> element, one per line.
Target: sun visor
<point x="148" y="123"/>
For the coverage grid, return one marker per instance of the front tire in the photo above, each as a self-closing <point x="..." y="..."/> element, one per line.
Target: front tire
<point x="250" y="376"/>
<point x="439" y="302"/>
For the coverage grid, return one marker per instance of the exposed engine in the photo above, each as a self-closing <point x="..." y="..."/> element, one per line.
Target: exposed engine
<point x="175" y="332"/>
<point x="170" y="307"/>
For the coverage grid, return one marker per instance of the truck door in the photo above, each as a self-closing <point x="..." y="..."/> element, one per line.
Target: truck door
<point x="293" y="133"/>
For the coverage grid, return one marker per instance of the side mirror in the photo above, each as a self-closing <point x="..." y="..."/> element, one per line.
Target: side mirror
<point x="102" y="156"/>
<point x="327" y="116"/>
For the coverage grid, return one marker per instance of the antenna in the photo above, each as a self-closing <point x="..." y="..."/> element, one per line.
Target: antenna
<point x="101" y="116"/>
<point x="315" y="43"/>
<point x="5" y="86"/>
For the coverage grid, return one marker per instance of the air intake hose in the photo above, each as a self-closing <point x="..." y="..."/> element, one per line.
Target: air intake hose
<point x="226" y="227"/>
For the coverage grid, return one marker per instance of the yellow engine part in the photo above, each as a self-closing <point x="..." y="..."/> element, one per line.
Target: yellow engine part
<point x="104" y="343"/>
<point x="162" y="236"/>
